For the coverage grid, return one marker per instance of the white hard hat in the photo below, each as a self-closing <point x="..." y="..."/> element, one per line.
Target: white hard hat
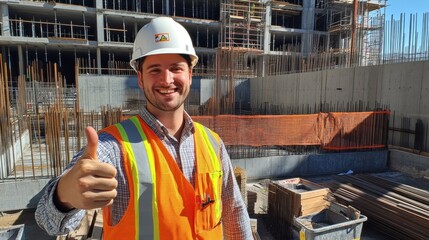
<point x="162" y="35"/>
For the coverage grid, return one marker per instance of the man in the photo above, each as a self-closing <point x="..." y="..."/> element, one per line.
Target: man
<point x="158" y="175"/>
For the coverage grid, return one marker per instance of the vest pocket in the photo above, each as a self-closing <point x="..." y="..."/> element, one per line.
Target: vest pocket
<point x="209" y="206"/>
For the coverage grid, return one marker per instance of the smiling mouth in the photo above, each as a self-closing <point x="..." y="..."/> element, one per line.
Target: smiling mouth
<point x="167" y="91"/>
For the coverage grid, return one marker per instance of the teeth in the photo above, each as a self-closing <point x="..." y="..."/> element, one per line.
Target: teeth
<point x="166" y="91"/>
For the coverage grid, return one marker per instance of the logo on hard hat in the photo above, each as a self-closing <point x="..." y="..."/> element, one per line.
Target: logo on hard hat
<point x="162" y="37"/>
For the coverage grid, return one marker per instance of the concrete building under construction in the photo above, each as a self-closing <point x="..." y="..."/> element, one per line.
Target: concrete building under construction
<point x="260" y="36"/>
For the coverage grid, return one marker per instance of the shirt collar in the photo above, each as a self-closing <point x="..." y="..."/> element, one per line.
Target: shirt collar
<point x="159" y="128"/>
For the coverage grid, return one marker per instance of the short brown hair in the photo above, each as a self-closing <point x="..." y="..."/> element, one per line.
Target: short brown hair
<point x="140" y="61"/>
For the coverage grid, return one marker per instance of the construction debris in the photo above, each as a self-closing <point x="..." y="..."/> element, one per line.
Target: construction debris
<point x="398" y="210"/>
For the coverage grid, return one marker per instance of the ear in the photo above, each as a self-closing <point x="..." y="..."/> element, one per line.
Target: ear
<point x="140" y="79"/>
<point x="190" y="76"/>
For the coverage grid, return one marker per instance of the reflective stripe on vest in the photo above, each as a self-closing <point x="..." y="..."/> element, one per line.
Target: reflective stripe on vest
<point x="142" y="172"/>
<point x="210" y="140"/>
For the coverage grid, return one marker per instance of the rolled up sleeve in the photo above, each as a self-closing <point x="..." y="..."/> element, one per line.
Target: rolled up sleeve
<point x="52" y="220"/>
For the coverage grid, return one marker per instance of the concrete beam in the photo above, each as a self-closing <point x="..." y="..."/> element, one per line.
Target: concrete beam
<point x="21" y="194"/>
<point x="312" y="165"/>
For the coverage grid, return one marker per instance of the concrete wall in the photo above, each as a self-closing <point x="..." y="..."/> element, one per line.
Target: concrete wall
<point x="96" y="91"/>
<point x="207" y="91"/>
<point x="22" y="194"/>
<point x="311" y="165"/>
<point x="409" y="163"/>
<point x="13" y="153"/>
<point x="102" y="90"/>
<point x="402" y="87"/>
<point x="242" y="90"/>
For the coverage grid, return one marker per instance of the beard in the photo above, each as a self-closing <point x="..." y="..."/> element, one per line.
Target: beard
<point x="165" y="105"/>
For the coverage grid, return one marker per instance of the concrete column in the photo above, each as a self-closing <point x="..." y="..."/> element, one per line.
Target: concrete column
<point x="98" y="61"/>
<point x="166" y="9"/>
<point x="20" y="60"/>
<point x="308" y="12"/>
<point x="138" y="5"/>
<point x="99" y="4"/>
<point x="100" y="21"/>
<point x="100" y="33"/>
<point x="267" y="34"/>
<point x="267" y="28"/>
<point x="4" y="14"/>
<point x="100" y="27"/>
<point x="365" y="50"/>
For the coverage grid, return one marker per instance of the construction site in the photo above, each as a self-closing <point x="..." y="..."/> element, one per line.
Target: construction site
<point x="320" y="98"/>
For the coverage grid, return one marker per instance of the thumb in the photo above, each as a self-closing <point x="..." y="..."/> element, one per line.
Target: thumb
<point x="91" y="147"/>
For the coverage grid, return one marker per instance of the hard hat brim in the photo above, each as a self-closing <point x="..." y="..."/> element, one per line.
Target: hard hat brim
<point x="194" y="57"/>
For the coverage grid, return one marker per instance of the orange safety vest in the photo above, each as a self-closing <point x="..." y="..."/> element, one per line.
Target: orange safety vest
<point x="163" y="204"/>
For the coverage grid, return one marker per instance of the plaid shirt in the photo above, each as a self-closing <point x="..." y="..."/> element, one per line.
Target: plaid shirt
<point x="236" y="223"/>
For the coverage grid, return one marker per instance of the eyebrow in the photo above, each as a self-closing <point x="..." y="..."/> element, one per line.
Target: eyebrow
<point x="172" y="65"/>
<point x="153" y="65"/>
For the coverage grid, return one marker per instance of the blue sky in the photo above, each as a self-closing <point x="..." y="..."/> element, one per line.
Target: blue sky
<point x="396" y="7"/>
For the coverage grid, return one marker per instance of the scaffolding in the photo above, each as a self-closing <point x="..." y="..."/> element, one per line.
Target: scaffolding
<point x="356" y="30"/>
<point x="237" y="56"/>
<point x="242" y="25"/>
<point x="234" y="39"/>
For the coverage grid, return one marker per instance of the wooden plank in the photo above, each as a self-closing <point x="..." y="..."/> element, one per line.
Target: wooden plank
<point x="290" y="198"/>
<point x="314" y="193"/>
<point x="313" y="204"/>
<point x="314" y="209"/>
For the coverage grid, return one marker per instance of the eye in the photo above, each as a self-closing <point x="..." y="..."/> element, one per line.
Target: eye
<point x="154" y="71"/>
<point x="177" y="69"/>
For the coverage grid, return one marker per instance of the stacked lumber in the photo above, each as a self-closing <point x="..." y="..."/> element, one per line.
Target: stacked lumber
<point x="240" y="176"/>
<point x="396" y="209"/>
<point x="292" y="198"/>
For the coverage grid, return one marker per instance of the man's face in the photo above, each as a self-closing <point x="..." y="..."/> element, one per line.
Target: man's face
<point x="165" y="80"/>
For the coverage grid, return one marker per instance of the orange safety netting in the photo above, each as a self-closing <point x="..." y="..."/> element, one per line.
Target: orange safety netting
<point x="335" y="131"/>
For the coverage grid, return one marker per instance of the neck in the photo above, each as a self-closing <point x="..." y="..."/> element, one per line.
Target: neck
<point x="172" y="120"/>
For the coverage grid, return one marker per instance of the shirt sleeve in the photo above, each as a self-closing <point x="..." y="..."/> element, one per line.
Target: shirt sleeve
<point x="48" y="216"/>
<point x="52" y="220"/>
<point x="235" y="218"/>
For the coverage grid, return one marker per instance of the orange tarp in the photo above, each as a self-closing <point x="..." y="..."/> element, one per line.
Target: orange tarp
<point x="337" y="131"/>
<point x="264" y="130"/>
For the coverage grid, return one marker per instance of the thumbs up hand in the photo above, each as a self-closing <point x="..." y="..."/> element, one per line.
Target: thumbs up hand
<point x="89" y="183"/>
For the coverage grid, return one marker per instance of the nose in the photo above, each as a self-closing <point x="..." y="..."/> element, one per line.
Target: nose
<point x="167" y="77"/>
